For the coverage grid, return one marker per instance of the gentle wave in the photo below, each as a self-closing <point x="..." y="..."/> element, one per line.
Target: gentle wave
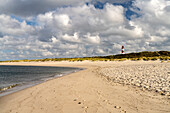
<point x="16" y="78"/>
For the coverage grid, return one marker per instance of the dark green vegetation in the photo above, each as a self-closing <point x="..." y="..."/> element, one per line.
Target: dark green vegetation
<point x="146" y="55"/>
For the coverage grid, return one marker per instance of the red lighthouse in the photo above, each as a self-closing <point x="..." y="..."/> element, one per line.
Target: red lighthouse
<point x="123" y="50"/>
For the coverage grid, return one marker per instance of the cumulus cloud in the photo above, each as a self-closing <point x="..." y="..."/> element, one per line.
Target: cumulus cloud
<point x="74" y="38"/>
<point x="82" y="20"/>
<point x="154" y="22"/>
<point x="83" y="30"/>
<point x="9" y="26"/>
<point x="26" y="8"/>
<point x="93" y="39"/>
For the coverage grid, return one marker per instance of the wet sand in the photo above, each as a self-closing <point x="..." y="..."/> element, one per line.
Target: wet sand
<point x="93" y="90"/>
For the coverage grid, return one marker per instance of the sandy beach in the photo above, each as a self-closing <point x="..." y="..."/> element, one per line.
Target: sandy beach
<point x="103" y="87"/>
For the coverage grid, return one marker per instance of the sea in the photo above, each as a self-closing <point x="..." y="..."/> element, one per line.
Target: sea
<point x="15" y="78"/>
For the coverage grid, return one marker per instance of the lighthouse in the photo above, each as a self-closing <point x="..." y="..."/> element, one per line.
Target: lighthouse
<point x="123" y="49"/>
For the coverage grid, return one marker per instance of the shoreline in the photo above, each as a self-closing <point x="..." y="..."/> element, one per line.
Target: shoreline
<point x="19" y="87"/>
<point x="83" y="91"/>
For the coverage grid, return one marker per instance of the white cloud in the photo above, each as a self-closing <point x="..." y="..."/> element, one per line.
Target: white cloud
<point x="54" y="40"/>
<point x="154" y="22"/>
<point x="47" y="53"/>
<point x="52" y="19"/>
<point x="114" y="14"/>
<point x="82" y="20"/>
<point x="158" y="39"/>
<point x="93" y="39"/>
<point x="9" y="26"/>
<point x="74" y="38"/>
<point x="63" y="19"/>
<point x="100" y="51"/>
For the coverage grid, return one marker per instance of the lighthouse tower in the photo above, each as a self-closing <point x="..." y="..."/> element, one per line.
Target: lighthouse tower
<point x="123" y="50"/>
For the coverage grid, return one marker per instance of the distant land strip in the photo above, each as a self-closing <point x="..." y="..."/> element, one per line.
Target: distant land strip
<point x="145" y="55"/>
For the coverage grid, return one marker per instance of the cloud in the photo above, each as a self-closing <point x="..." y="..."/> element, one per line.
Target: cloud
<point x="10" y="26"/>
<point x="111" y="1"/>
<point x="83" y="30"/>
<point x="92" y="39"/>
<point x="154" y="22"/>
<point x="74" y="38"/>
<point x="54" y="40"/>
<point x="34" y="7"/>
<point x="50" y="18"/>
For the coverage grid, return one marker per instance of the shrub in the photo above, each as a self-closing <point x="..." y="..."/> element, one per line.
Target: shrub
<point x="146" y="58"/>
<point x="154" y="58"/>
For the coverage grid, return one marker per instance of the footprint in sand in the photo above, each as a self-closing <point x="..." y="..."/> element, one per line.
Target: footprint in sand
<point x="119" y="108"/>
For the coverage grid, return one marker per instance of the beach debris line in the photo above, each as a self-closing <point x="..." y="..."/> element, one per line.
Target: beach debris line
<point x="9" y="87"/>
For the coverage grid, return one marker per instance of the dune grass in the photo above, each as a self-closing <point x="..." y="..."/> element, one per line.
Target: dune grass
<point x="146" y="56"/>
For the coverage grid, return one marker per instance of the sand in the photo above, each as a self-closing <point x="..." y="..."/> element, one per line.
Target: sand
<point x="92" y="90"/>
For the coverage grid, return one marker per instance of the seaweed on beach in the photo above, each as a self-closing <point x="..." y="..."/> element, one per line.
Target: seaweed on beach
<point x="8" y="87"/>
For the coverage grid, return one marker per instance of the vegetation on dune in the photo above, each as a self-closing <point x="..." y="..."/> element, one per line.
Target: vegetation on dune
<point x="146" y="56"/>
<point x="140" y="55"/>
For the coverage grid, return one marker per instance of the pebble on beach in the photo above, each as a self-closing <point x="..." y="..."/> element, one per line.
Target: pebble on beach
<point x="152" y="77"/>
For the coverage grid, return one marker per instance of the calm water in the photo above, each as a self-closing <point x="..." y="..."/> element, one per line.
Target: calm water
<point x="26" y="76"/>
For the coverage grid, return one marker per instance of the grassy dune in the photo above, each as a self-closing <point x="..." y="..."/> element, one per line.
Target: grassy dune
<point x="146" y="56"/>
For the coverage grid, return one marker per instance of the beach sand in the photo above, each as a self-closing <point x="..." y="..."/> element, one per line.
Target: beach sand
<point x="93" y="90"/>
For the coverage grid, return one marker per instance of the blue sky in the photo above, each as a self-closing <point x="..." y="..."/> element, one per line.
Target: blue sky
<point x="32" y="29"/>
<point x="29" y="22"/>
<point x="127" y="5"/>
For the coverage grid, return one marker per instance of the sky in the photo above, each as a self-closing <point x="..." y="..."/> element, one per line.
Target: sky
<point x="36" y="29"/>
